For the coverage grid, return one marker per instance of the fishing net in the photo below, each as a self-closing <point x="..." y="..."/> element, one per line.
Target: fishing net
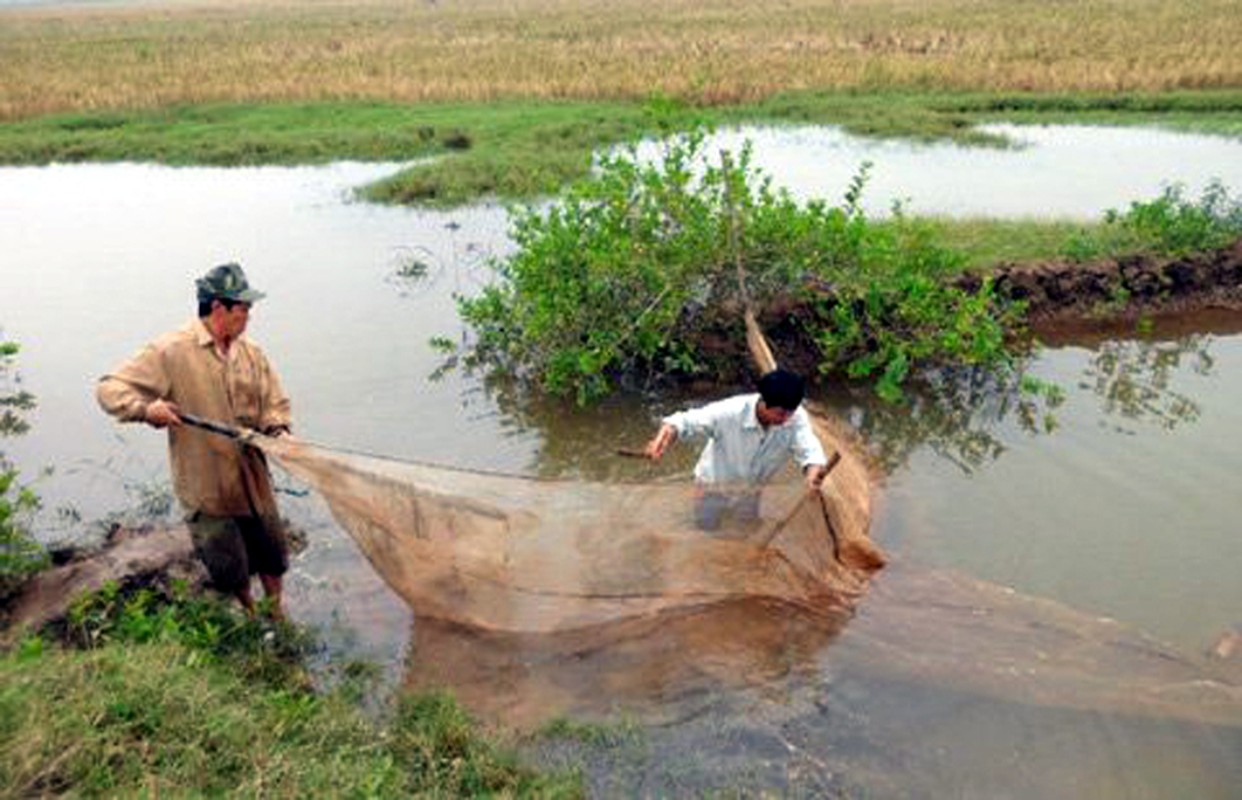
<point x="504" y="552"/>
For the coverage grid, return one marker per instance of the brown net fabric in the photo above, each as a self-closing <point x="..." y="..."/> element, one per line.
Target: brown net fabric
<point x="511" y="553"/>
<point x="503" y="552"/>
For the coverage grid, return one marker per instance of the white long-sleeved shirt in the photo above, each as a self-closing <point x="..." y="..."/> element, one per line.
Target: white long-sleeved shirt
<point x="739" y="448"/>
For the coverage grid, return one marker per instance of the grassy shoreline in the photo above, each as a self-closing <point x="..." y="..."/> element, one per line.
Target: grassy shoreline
<point x="138" y="692"/>
<point x="517" y="150"/>
<point x="520" y="150"/>
<point x="514" y="96"/>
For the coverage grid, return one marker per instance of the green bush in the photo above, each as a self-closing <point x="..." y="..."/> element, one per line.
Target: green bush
<point x="620" y="278"/>
<point x="1170" y="225"/>
<point x="20" y="554"/>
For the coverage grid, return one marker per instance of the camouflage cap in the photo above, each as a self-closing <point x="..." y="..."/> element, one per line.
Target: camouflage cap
<point x="226" y="282"/>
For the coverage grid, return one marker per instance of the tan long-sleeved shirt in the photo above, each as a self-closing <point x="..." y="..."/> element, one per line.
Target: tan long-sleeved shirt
<point x="211" y="473"/>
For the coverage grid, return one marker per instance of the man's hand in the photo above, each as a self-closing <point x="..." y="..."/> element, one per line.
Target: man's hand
<point x="816" y="473"/>
<point x="660" y="442"/>
<point x="162" y="414"/>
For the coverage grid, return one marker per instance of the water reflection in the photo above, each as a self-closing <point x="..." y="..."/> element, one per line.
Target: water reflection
<point x="966" y="416"/>
<point x="956" y="413"/>
<point x="1133" y="379"/>
<point x="14" y="400"/>
<point x="962" y="415"/>
<point x="584" y="443"/>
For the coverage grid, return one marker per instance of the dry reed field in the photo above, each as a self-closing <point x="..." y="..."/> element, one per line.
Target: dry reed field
<point x="143" y="55"/>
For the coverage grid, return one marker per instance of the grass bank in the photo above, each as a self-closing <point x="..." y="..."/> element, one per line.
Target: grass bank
<point x="125" y="55"/>
<point x="520" y="149"/>
<point x="187" y="699"/>
<point x="515" y="96"/>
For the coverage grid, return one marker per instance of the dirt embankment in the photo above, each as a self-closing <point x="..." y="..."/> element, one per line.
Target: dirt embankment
<point x="1125" y="288"/>
<point x="126" y="556"/>
<point x="1064" y="299"/>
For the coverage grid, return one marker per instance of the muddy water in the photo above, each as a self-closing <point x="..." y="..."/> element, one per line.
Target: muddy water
<point x="1126" y="511"/>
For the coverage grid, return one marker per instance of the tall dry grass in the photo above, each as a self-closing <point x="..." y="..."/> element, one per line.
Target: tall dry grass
<point x="715" y="51"/>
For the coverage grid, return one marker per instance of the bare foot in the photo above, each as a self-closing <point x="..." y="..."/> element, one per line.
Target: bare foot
<point x="1228" y="646"/>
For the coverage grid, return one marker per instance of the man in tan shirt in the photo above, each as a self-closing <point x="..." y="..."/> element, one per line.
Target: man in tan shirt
<point x="209" y="369"/>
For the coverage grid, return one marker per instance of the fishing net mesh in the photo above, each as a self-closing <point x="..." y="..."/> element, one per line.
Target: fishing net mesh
<point x="513" y="553"/>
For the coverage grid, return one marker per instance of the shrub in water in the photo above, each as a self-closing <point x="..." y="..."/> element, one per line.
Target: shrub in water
<point x="620" y="277"/>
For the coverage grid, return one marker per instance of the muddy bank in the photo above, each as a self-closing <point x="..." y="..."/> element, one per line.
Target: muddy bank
<point x="1064" y="300"/>
<point x="126" y="556"/>
<point x="149" y="554"/>
<point x="1127" y="288"/>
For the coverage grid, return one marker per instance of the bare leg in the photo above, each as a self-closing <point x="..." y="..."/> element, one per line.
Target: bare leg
<point x="273" y="588"/>
<point x="246" y="599"/>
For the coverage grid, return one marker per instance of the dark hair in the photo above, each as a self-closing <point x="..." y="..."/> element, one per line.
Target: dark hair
<point x="204" y="306"/>
<point x="781" y="388"/>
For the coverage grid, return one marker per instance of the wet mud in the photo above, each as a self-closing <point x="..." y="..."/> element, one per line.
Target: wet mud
<point x="126" y="556"/>
<point x="1122" y="289"/>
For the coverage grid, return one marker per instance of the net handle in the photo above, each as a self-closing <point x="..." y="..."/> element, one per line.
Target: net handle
<point x="211" y="425"/>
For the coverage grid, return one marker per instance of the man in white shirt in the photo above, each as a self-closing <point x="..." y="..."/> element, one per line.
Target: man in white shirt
<point x="749" y="438"/>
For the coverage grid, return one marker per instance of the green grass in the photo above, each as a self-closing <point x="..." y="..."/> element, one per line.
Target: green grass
<point x="130" y="720"/>
<point x="598" y="734"/>
<point x="985" y="243"/>
<point x="524" y="149"/>
<point x="168" y="694"/>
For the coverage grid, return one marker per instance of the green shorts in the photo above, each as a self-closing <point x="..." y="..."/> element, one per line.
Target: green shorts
<point x="234" y="548"/>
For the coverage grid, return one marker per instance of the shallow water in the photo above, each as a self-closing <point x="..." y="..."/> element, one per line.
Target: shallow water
<point x="1050" y="171"/>
<point x="1126" y="511"/>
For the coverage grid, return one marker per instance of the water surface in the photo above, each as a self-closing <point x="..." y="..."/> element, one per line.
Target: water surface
<point x="1051" y="171"/>
<point x="1127" y="511"/>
